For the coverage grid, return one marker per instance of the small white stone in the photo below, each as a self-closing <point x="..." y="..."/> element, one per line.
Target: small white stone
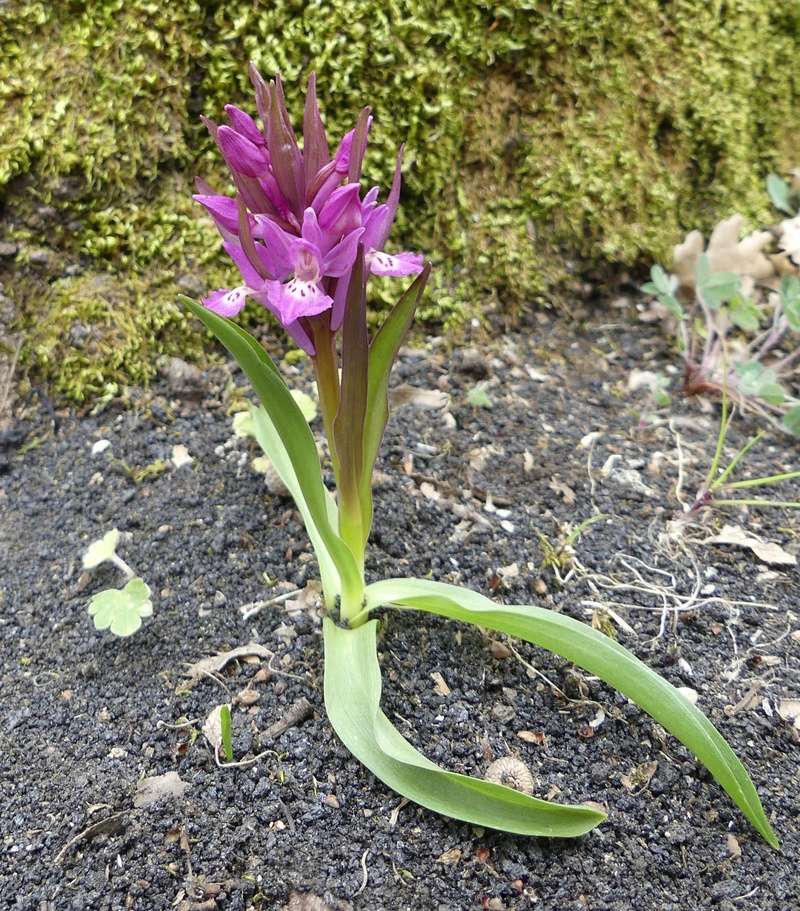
<point x="100" y="446"/>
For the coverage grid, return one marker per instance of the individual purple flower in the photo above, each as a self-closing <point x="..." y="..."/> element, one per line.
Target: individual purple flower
<point x="230" y="301"/>
<point x="377" y="221"/>
<point x="311" y="259"/>
<point x="291" y="269"/>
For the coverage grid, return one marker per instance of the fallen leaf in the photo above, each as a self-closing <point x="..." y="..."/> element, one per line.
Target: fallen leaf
<point x="212" y="727"/>
<point x="559" y="487"/>
<point x="767" y="551"/>
<point x="539" y="738"/>
<point x="439" y="684"/>
<point x="449" y="858"/>
<point x="748" y="701"/>
<point x="247" y="696"/>
<point x="423" y="399"/>
<point x="429" y="491"/>
<point x="789" y="710"/>
<point x="180" y="456"/>
<point x="639" y="778"/>
<point x="215" y="663"/>
<point x="159" y="787"/>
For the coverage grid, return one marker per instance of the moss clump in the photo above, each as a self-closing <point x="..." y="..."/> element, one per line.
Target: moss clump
<point x="537" y="133"/>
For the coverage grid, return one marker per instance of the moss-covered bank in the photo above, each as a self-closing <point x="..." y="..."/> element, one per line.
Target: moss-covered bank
<point x="538" y="133"/>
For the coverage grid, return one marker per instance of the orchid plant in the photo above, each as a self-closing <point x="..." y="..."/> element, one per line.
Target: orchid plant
<point x="306" y="242"/>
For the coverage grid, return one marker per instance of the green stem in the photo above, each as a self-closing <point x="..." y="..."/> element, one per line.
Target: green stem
<point x="789" y="504"/>
<point x="720" y="481"/>
<point x="762" y="482"/>
<point x="723" y="431"/>
<point x="327" y="370"/>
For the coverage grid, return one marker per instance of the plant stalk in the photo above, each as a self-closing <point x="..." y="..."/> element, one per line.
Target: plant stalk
<point x="327" y="372"/>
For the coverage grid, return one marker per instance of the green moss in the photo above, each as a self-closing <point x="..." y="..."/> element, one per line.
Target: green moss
<point x="538" y="135"/>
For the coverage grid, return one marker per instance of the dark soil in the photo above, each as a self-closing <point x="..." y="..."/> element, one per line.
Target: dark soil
<point x="85" y="715"/>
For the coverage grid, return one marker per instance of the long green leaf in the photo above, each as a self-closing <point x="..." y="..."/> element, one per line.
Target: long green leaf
<point x="271" y="443"/>
<point x="382" y="353"/>
<point x="352" y="701"/>
<point x="291" y="428"/>
<point x="348" y="426"/>
<point x="598" y="654"/>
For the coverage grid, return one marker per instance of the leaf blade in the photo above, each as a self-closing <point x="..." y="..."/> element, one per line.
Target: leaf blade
<point x="291" y="428"/>
<point x="352" y="697"/>
<point x="598" y="654"/>
<point x="270" y="442"/>
<point x="382" y="353"/>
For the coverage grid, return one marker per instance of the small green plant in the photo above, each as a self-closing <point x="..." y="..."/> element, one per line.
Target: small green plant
<point x="226" y="731"/>
<point x="558" y="555"/>
<point x="306" y="243"/>
<point x="785" y="197"/>
<point x="478" y="397"/>
<point x="745" y="344"/>
<point x="119" y="610"/>
<point x="718" y="484"/>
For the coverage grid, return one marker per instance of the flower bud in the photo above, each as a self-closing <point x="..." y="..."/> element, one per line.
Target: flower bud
<point x="240" y="153"/>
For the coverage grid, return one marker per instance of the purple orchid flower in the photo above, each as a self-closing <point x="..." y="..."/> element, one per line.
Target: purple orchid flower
<point x="296" y="225"/>
<point x="289" y="280"/>
<point x="377" y="221"/>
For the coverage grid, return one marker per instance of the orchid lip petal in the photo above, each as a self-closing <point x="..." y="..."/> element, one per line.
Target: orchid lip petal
<point x="296" y="298"/>
<point x="227" y="301"/>
<point x="394" y="264"/>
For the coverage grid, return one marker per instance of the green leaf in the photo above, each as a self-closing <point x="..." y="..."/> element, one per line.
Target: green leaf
<point x="791" y="420"/>
<point x="291" y="429"/>
<point x="660" y="279"/>
<point x="243" y="424"/>
<point x="307" y="405"/>
<point x="744" y="313"/>
<point x="352" y="701"/>
<point x="100" y="551"/>
<point x="597" y="654"/>
<point x="780" y="194"/>
<point x="264" y="431"/>
<point x="664" y="287"/>
<point x="226" y="731"/>
<point x="382" y="353"/>
<point x="121" y="610"/>
<point x="761" y="382"/>
<point x="478" y="397"/>
<point x="716" y="288"/>
<point x="790" y="300"/>
<point x="355" y="516"/>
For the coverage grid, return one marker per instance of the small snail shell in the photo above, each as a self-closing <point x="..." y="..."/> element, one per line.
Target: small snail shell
<point x="511" y="772"/>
